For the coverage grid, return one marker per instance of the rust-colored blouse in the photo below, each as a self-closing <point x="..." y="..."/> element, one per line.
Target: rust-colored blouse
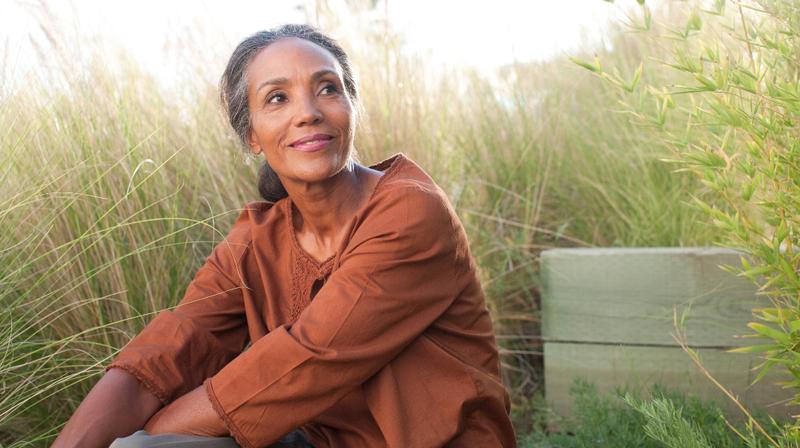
<point x="387" y="343"/>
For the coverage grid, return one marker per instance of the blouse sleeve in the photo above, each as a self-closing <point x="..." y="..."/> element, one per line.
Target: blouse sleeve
<point x="403" y="269"/>
<point x="179" y="349"/>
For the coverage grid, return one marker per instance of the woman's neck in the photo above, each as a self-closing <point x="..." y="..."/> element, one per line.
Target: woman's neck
<point x="325" y="207"/>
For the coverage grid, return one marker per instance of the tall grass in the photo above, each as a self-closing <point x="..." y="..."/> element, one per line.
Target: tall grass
<point x="111" y="197"/>
<point x="114" y="189"/>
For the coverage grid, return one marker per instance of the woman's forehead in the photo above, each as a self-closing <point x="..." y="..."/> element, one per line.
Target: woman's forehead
<point x="291" y="57"/>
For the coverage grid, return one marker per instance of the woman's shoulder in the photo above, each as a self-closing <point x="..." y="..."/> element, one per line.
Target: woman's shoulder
<point x="255" y="221"/>
<point x="406" y="187"/>
<point x="409" y="208"/>
<point x="401" y="171"/>
<point x="409" y="215"/>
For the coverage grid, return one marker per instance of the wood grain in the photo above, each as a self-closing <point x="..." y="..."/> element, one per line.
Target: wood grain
<point x="627" y="296"/>
<point x="607" y="316"/>
<point x="610" y="367"/>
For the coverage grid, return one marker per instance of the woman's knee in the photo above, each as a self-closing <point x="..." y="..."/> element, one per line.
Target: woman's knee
<point x="139" y="439"/>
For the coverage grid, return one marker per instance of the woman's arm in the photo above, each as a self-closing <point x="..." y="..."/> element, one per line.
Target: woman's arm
<point x="173" y="355"/>
<point x="116" y="406"/>
<point x="192" y="413"/>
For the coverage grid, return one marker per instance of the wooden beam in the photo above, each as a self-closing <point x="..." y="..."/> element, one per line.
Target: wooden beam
<point x="626" y="296"/>
<point x="612" y="366"/>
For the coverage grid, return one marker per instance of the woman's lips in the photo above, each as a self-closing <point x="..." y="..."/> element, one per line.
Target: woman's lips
<point x="312" y="143"/>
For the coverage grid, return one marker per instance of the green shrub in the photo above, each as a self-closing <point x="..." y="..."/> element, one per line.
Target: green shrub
<point x="624" y="419"/>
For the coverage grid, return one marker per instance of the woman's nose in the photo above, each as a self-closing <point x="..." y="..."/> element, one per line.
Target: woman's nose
<point x="307" y="112"/>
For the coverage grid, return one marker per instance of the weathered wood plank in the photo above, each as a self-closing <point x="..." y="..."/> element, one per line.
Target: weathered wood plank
<point x="611" y="366"/>
<point x="627" y="295"/>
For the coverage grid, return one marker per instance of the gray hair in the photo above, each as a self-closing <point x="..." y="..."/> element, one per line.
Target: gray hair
<point x="233" y="88"/>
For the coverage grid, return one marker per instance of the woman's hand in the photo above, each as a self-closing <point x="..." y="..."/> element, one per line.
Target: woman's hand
<point x="190" y="414"/>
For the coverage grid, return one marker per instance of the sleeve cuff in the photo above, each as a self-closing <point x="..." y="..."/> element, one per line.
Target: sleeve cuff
<point x="146" y="382"/>
<point x="234" y="430"/>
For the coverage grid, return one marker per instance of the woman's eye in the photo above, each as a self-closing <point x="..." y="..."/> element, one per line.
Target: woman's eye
<point x="275" y="98"/>
<point x="329" y="89"/>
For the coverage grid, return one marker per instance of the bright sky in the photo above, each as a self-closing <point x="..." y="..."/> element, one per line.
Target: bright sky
<point x="481" y="33"/>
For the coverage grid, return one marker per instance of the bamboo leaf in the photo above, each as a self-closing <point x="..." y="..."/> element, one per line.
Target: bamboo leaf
<point x="592" y="67"/>
<point x="637" y="75"/>
<point x="764" y="370"/>
<point x="774" y="315"/>
<point x="760" y="348"/>
<point x="769" y="332"/>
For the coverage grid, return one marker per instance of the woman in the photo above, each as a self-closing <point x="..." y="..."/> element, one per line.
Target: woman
<point x="353" y="285"/>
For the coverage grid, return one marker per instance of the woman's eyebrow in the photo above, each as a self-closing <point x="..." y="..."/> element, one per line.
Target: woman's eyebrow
<point x="273" y="81"/>
<point x="320" y="73"/>
<point x="278" y="81"/>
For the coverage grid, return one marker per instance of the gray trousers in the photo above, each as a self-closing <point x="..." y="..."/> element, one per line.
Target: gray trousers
<point x="141" y="439"/>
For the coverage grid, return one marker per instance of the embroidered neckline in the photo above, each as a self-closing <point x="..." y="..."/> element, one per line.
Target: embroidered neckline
<point x="306" y="269"/>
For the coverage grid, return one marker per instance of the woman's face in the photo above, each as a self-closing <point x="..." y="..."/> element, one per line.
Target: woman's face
<point x="301" y="117"/>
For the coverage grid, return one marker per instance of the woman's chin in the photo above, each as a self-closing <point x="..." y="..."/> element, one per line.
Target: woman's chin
<point x="317" y="166"/>
<point x="317" y="174"/>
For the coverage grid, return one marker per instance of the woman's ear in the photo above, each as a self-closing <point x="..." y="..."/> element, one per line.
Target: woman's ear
<point x="252" y="142"/>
